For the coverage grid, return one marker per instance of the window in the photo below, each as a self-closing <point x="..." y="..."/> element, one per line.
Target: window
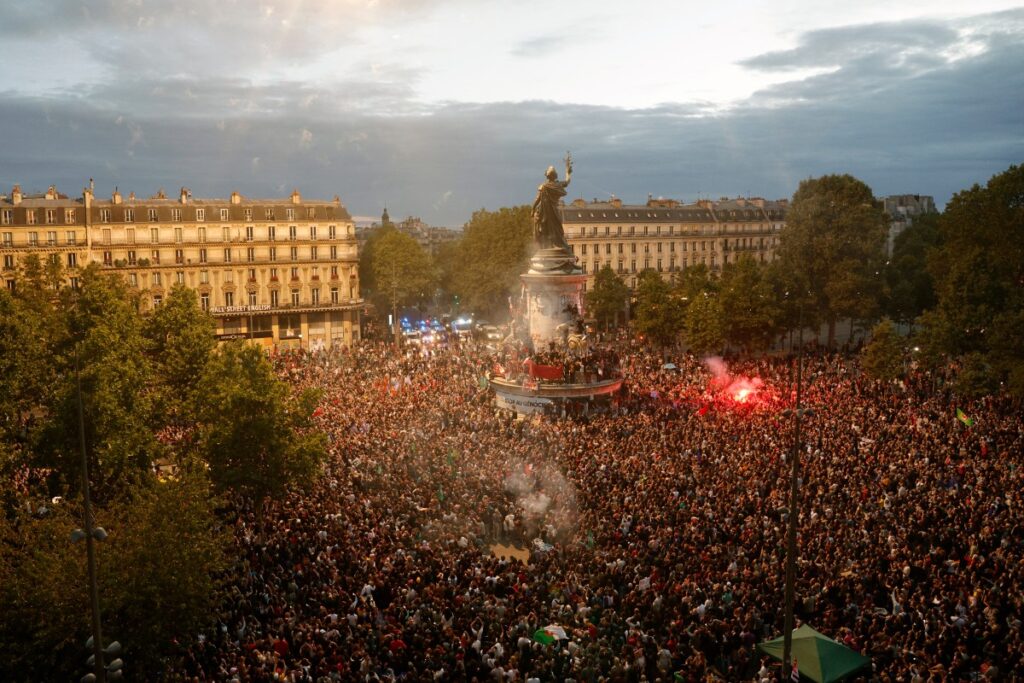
<point x="269" y="214"/>
<point x="200" y="215"/>
<point x="129" y="215"/>
<point x="295" y="297"/>
<point x="250" y="254"/>
<point x="316" y="272"/>
<point x="647" y="249"/>
<point x="312" y="232"/>
<point x="292" y="232"/>
<point x="331" y="231"/>
<point x="294" y="253"/>
<point x="204" y="277"/>
<point x="152" y="216"/>
<point x="204" y="301"/>
<point x="156" y="257"/>
<point x="54" y="259"/>
<point x="289" y="214"/>
<point x="659" y="247"/>
<point x="312" y="253"/>
<point x="271" y="233"/>
<point x="157" y="300"/>
<point x="334" y="272"/>
<point x="156" y="279"/>
<point x="273" y="253"/>
<point x="248" y="214"/>
<point x="51" y="215"/>
<point x="104" y="215"/>
<point x="252" y="275"/>
<point x="632" y="248"/>
<point x="583" y="250"/>
<point x="334" y="252"/>
<point x="229" y="298"/>
<point x="30" y="217"/>
<point x="6" y="217"/>
<point x="154" y="235"/>
<point x="632" y="266"/>
<point x="223" y="214"/>
<point x="8" y="261"/>
<point x="179" y="256"/>
<point x="51" y="238"/>
<point x="252" y="298"/>
<point x="11" y="285"/>
<point x="202" y="256"/>
<point x="8" y="239"/>
<point x="176" y="215"/>
<point x="334" y="295"/>
<point x="229" y="276"/>
<point x="295" y="273"/>
<point x="179" y="277"/>
<point x="108" y="258"/>
<point x="273" y="298"/>
<point x="178" y="236"/>
<point x="73" y="282"/>
<point x="311" y="213"/>
<point x="202" y="234"/>
<point x="248" y="233"/>
<point x="130" y="235"/>
<point x="273" y="273"/>
<point x="133" y="279"/>
<point x="315" y="296"/>
<point x="131" y="258"/>
<point x="227" y="256"/>
<point x="33" y="239"/>
<point x="225" y="234"/>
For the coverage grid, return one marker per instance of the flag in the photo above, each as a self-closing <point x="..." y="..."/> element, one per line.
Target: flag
<point x="962" y="416"/>
<point x="703" y="410"/>
<point x="318" y="412"/>
<point x="549" y="634"/>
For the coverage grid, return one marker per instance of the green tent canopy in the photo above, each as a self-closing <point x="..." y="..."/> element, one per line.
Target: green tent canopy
<point x="818" y="657"/>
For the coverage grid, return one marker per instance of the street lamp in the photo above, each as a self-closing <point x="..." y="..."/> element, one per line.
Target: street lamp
<point x="794" y="508"/>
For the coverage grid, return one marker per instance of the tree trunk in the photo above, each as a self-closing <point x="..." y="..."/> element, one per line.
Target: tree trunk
<point x="831" y="333"/>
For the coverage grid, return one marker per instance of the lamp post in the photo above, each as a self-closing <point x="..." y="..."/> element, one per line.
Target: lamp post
<point x="794" y="508"/>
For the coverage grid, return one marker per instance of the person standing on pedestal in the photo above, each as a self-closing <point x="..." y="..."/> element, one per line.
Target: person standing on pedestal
<point x="547" y="220"/>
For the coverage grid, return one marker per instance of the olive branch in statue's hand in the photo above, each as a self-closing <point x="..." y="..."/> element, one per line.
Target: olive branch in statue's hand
<point x="568" y="165"/>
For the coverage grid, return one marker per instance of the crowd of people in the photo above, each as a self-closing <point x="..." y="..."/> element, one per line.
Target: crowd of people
<point x="585" y="366"/>
<point x="656" y="531"/>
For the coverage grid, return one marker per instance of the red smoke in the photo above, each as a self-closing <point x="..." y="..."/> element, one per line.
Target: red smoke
<point x="739" y="389"/>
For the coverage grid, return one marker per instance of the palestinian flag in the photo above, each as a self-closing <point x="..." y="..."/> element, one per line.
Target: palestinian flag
<point x="549" y="634"/>
<point x="962" y="416"/>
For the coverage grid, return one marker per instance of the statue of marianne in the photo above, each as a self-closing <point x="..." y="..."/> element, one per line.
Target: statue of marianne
<point x="547" y="220"/>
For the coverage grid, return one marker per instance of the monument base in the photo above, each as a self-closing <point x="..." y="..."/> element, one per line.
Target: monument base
<point x="553" y="398"/>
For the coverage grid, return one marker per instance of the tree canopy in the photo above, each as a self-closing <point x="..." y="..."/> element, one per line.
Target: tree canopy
<point x="402" y="271"/>
<point x="607" y="298"/>
<point x="659" y="312"/>
<point x="493" y="252"/>
<point x="834" y="244"/>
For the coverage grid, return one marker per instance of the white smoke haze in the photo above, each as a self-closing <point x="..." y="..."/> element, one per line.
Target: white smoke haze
<point x="739" y="388"/>
<point x="544" y="496"/>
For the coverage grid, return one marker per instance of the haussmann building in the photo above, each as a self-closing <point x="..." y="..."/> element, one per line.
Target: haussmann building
<point x="281" y="272"/>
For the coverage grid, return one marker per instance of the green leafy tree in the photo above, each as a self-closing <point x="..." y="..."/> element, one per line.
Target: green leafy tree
<point x="694" y="281"/>
<point x="834" y="245"/>
<point x="910" y="286"/>
<point x="659" y="313"/>
<point x="608" y="296"/>
<point x="747" y="304"/>
<point x="704" y="333"/>
<point x="401" y="270"/>
<point x="106" y="331"/>
<point x="255" y="437"/>
<point x="883" y="355"/>
<point x="180" y="337"/>
<point x="492" y="253"/>
<point x="157" y="575"/>
<point x="979" y="282"/>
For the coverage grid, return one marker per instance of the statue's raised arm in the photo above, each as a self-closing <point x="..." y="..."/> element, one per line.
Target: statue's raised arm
<point x="568" y="168"/>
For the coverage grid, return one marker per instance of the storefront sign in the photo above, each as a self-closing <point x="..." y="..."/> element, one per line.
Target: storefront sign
<point x="240" y="309"/>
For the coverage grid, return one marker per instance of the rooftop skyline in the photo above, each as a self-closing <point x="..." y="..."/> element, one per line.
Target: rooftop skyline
<point x="438" y="108"/>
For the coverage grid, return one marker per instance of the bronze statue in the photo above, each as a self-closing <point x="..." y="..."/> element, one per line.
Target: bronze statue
<point x="547" y="219"/>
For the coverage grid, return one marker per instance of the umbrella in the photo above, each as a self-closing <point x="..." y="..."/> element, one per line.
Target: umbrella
<point x="668" y="366"/>
<point x="820" y="658"/>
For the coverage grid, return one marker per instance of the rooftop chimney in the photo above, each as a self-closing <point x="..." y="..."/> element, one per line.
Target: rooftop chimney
<point x="236" y="198"/>
<point x="16" y="195"/>
<point x="296" y="197"/>
<point x="51" y="192"/>
<point x="184" y="195"/>
<point x="116" y="197"/>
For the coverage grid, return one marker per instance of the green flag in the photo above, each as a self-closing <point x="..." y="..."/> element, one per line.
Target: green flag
<point x="962" y="416"/>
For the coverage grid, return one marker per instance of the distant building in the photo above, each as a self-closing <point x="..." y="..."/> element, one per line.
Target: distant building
<point x="902" y="210"/>
<point x="669" y="236"/>
<point x="429" y="237"/>
<point x="279" y="271"/>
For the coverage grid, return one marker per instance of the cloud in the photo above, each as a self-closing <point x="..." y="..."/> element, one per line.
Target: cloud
<point x="923" y="124"/>
<point x="541" y="46"/>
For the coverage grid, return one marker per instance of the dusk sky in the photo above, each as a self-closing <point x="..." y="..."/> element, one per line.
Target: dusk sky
<point x="441" y="107"/>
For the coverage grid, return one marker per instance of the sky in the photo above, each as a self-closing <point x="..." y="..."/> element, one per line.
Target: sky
<point x="437" y="108"/>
